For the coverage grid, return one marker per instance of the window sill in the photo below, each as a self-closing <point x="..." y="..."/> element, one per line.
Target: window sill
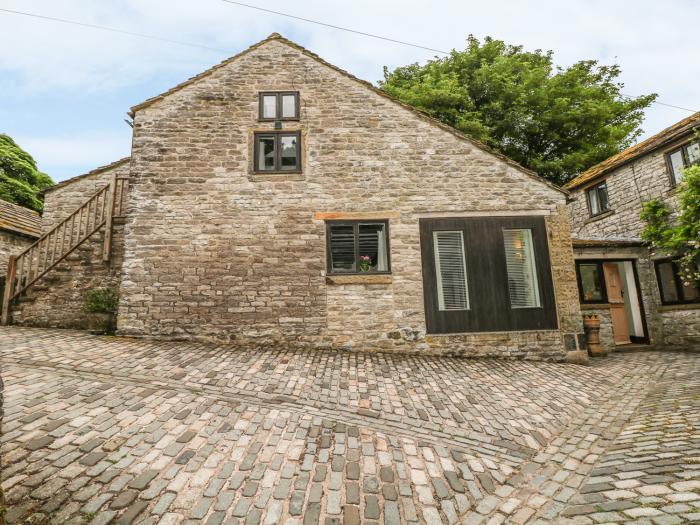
<point x="594" y="306"/>
<point x="681" y="306"/>
<point x="600" y="216"/>
<point x="285" y="119"/>
<point x="356" y="278"/>
<point x="277" y="176"/>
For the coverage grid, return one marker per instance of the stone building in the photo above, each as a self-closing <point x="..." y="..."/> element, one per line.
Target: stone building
<point x="19" y="228"/>
<point x="636" y="293"/>
<point x="275" y="199"/>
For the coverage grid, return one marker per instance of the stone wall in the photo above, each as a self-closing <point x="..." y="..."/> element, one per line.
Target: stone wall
<point x="675" y="326"/>
<point x="56" y="300"/>
<point x="628" y="187"/>
<point x="11" y="244"/>
<point x="681" y="327"/>
<point x="64" y="199"/>
<point x="214" y="251"/>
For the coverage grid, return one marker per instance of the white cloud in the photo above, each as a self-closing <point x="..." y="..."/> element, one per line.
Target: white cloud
<point x="90" y="148"/>
<point x="653" y="42"/>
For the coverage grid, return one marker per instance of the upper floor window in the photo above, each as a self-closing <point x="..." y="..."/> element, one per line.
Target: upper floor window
<point x="279" y="105"/>
<point x="277" y="151"/>
<point x="357" y="246"/>
<point x="681" y="158"/>
<point x="598" y="199"/>
<point x="671" y="287"/>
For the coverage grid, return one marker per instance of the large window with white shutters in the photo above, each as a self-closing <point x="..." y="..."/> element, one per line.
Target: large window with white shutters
<point x="451" y="270"/>
<point x="485" y="274"/>
<point x="520" y="263"/>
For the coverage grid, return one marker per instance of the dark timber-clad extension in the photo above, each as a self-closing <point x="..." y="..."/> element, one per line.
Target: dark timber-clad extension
<point x="490" y="303"/>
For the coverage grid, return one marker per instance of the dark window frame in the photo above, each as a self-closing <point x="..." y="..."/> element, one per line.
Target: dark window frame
<point x="579" y="281"/>
<point x="278" y="151"/>
<point x="677" y="281"/>
<point x="278" y="105"/>
<point x="355" y="223"/>
<point x="597" y="187"/>
<point x="683" y="148"/>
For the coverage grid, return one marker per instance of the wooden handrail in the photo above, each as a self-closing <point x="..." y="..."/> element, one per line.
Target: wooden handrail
<point x="55" y="245"/>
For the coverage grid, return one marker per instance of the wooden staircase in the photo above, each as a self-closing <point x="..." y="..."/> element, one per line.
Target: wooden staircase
<point x="37" y="260"/>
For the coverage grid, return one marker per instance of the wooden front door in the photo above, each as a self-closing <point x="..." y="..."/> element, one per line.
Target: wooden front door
<point x="616" y="299"/>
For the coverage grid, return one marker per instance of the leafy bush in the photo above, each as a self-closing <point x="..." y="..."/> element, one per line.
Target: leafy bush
<point x="101" y="300"/>
<point x="679" y="238"/>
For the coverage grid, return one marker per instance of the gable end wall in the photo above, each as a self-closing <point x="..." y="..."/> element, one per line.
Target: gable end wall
<point x="215" y="252"/>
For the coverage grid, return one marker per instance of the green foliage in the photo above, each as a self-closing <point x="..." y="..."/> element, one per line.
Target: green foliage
<point x="555" y="121"/>
<point x="656" y="216"/>
<point x="20" y="179"/>
<point x="680" y="238"/>
<point x="101" y="300"/>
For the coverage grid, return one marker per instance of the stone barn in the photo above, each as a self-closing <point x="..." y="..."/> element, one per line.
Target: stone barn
<point x="276" y="199"/>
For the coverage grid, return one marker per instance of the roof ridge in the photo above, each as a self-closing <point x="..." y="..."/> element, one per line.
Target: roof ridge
<point x="633" y="152"/>
<point x="276" y="36"/>
<point x="94" y="171"/>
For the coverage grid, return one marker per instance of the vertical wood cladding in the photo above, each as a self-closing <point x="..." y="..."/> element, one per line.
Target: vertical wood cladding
<point x="489" y="301"/>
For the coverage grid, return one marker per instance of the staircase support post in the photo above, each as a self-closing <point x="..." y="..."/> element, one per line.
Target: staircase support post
<point x="9" y="290"/>
<point x="107" y="247"/>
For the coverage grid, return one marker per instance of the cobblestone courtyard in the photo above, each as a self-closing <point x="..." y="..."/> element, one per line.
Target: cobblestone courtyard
<point x="100" y="430"/>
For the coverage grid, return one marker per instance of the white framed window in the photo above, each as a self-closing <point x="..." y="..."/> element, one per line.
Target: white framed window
<point x="523" y="287"/>
<point x="451" y="270"/>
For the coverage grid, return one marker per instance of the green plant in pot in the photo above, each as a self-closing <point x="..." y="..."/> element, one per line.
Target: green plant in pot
<point x="100" y="304"/>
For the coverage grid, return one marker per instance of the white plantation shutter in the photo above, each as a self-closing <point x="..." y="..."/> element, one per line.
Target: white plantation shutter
<point x="522" y="273"/>
<point x="451" y="270"/>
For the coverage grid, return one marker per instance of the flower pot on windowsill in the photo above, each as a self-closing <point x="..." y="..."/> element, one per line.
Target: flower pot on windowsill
<point x="591" y="325"/>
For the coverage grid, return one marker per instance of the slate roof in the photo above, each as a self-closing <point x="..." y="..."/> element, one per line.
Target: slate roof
<point x="20" y="220"/>
<point x="368" y="85"/>
<point x="654" y="142"/>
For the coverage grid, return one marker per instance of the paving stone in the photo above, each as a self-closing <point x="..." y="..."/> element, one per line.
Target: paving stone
<point x="128" y="517"/>
<point x="141" y="481"/>
<point x="217" y="445"/>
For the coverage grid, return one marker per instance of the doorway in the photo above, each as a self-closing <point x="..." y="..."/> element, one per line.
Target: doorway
<point x="615" y="282"/>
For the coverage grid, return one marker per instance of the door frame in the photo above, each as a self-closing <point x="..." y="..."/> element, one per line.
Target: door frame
<point x="635" y="339"/>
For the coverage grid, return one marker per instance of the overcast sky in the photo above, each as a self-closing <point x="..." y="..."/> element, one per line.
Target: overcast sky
<point x="65" y="90"/>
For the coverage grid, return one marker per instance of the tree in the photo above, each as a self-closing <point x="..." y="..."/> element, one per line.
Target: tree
<point x="555" y="121"/>
<point x="20" y="179"/>
<point x="678" y="237"/>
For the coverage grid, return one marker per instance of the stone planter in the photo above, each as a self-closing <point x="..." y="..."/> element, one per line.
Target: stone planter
<point x="100" y="322"/>
<point x="591" y="324"/>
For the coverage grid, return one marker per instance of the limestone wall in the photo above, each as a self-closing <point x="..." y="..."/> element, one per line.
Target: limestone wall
<point x="56" y="300"/>
<point x="214" y="251"/>
<point x="628" y="187"/>
<point x="11" y="244"/>
<point x="64" y="199"/>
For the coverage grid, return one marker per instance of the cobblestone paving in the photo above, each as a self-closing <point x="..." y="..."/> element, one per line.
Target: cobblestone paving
<point x="106" y="430"/>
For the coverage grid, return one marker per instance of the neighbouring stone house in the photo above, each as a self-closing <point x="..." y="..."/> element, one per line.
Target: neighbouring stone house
<point x="275" y="199"/>
<point x="19" y="228"/>
<point x="636" y="293"/>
